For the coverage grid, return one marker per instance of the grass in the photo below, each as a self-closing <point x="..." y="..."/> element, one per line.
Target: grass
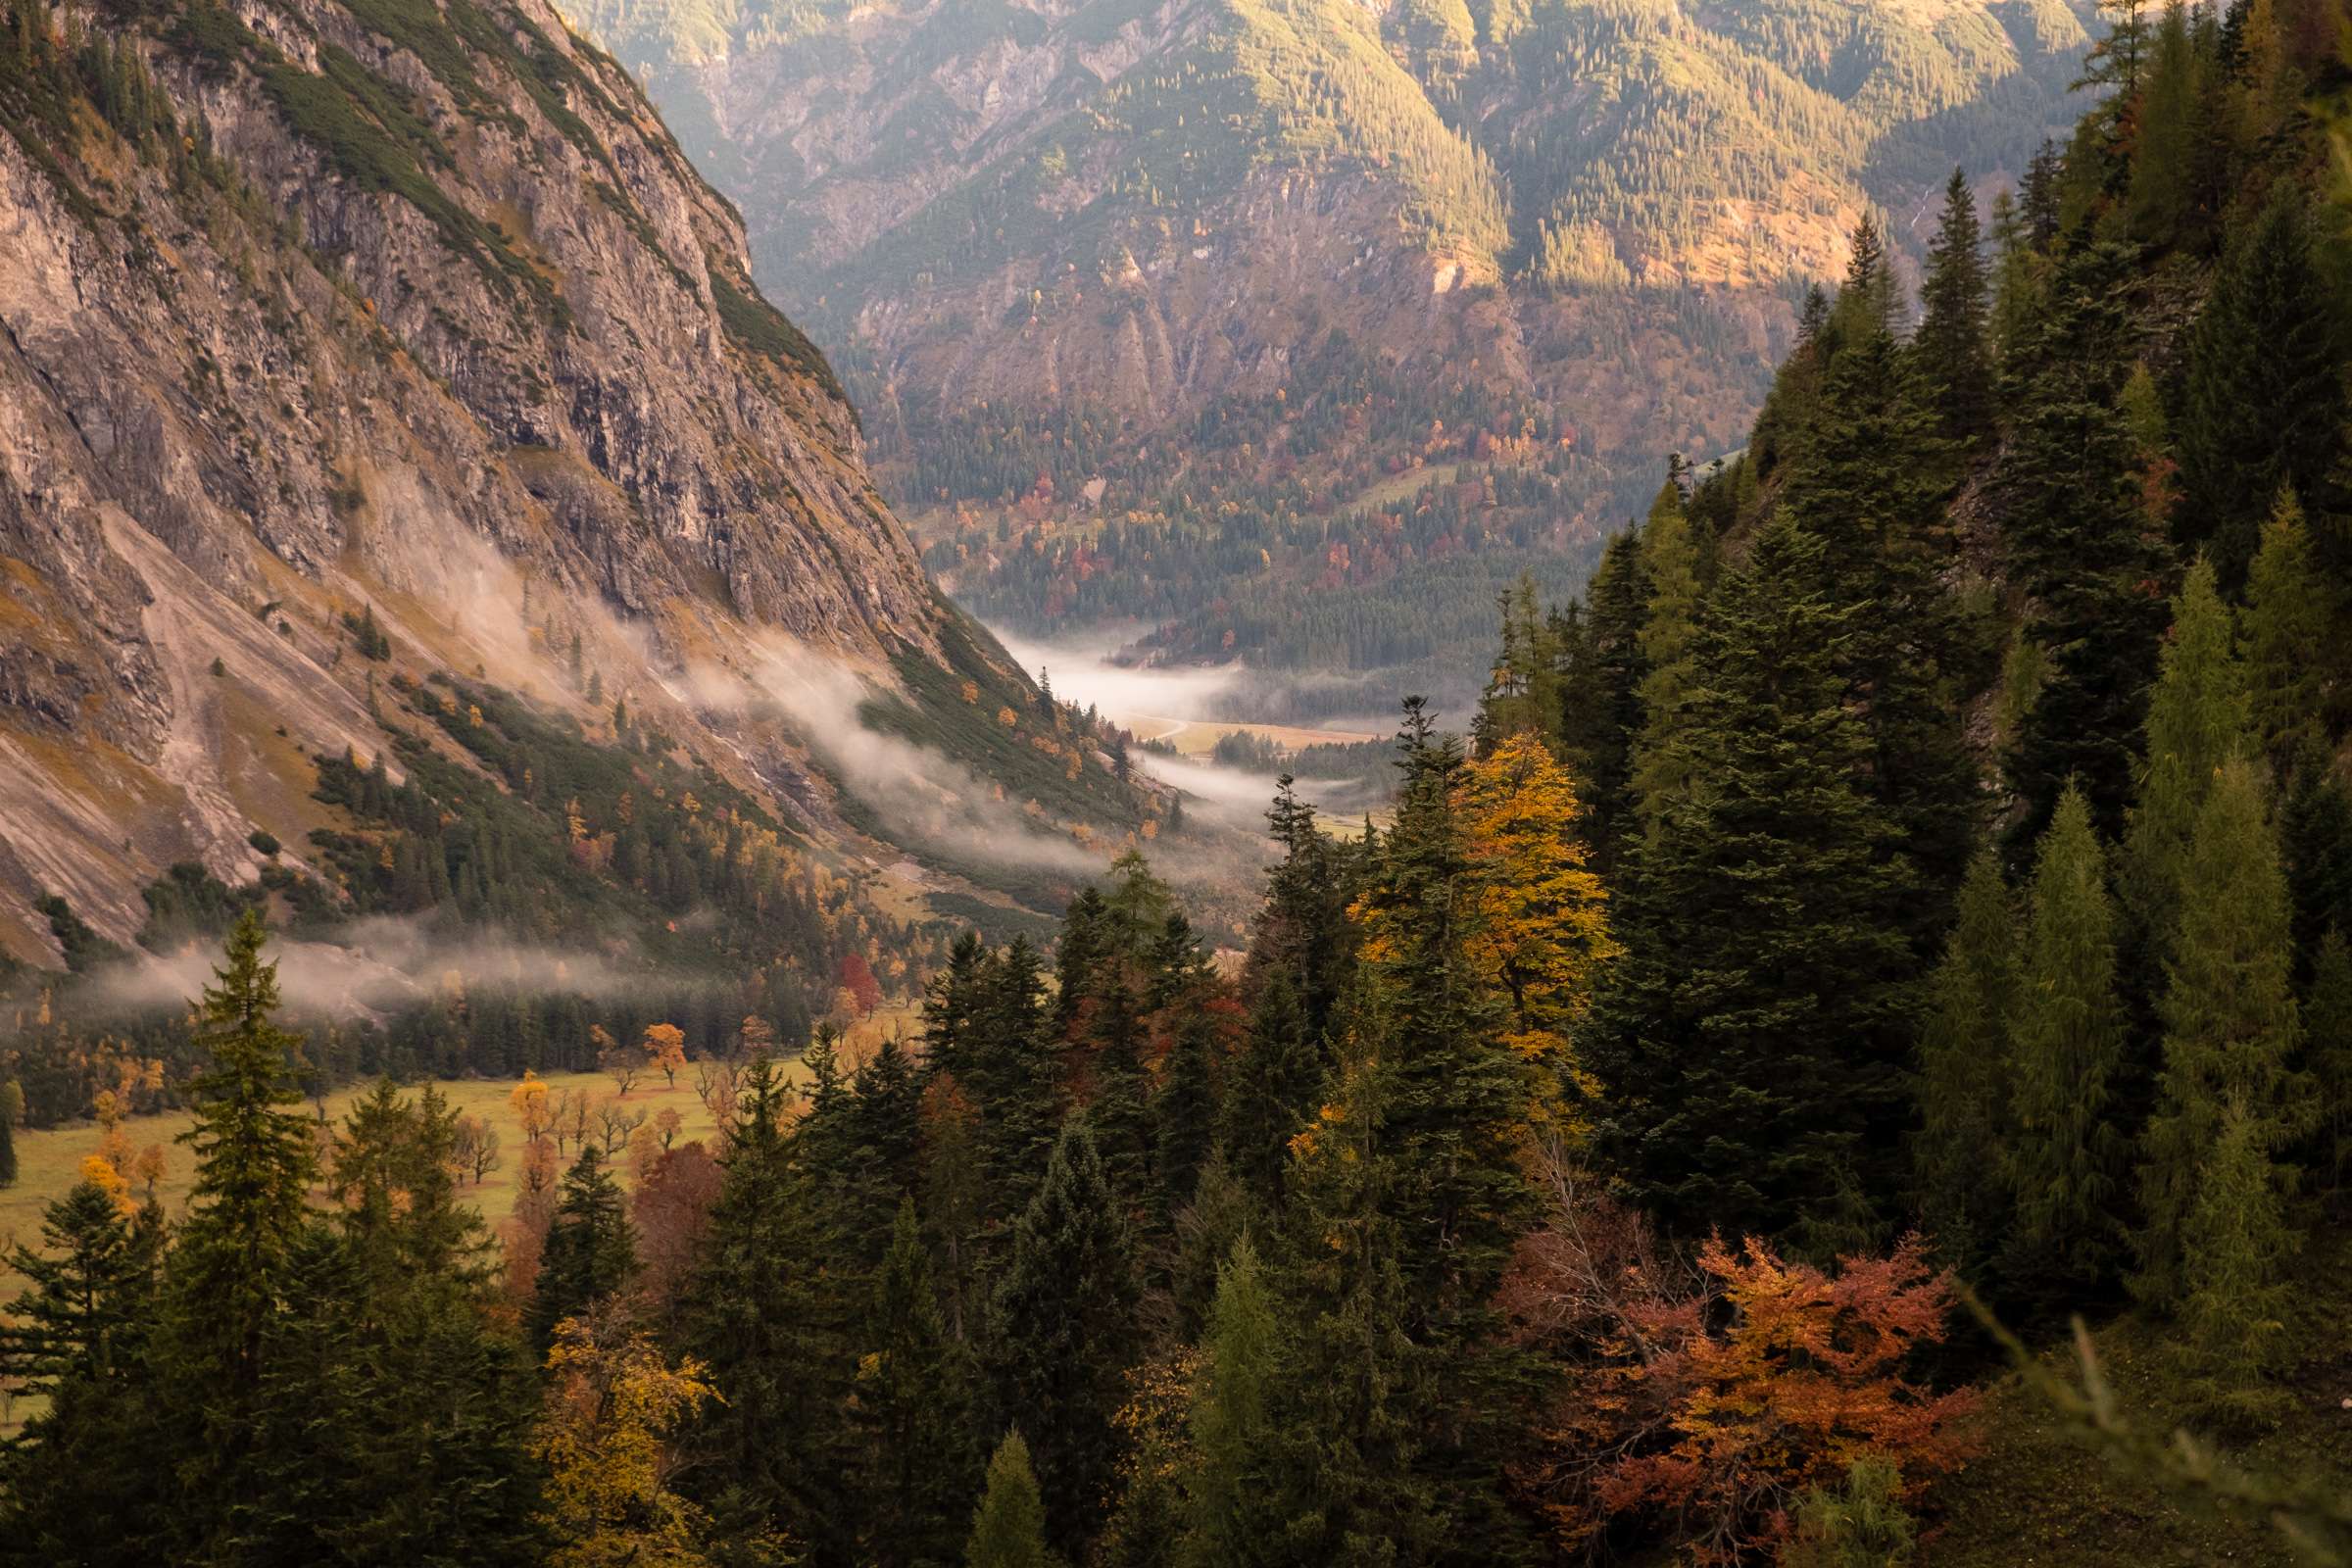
<point x="49" y="1161"/>
<point x="2039" y="1496"/>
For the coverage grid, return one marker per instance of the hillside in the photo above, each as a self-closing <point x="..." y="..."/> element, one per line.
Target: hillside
<point x="412" y="511"/>
<point x="1131" y="293"/>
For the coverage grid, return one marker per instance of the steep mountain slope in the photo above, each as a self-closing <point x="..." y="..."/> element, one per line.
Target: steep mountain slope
<point x="1038" y="236"/>
<point x="366" y="362"/>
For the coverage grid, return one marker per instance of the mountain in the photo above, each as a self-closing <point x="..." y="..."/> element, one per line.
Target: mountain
<point x="1406" y="296"/>
<point x="411" y="508"/>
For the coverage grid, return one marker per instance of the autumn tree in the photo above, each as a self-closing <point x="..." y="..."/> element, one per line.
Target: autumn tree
<point x="1538" y="921"/>
<point x="664" y="1050"/>
<point x="1009" y="1530"/>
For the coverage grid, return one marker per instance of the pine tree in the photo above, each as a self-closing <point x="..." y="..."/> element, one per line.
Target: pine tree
<point x="2231" y="1021"/>
<point x="1749" y="1050"/>
<point x="2197" y="722"/>
<point x="87" y="1293"/>
<point x="1950" y="352"/>
<point x="1065" y="1334"/>
<point x="1009" y="1530"/>
<point x="769" y="1320"/>
<point x="2066" y="1046"/>
<point x="915" y="1469"/>
<point x="2263" y="403"/>
<point x="1604" y="718"/>
<point x="1223" y="1518"/>
<point x="2290" y="663"/>
<point x="1964" y="1072"/>
<point x="2235" y="1245"/>
<point x="590" y="1250"/>
<point x="1457" y="1099"/>
<point x="230" y="1266"/>
<point x="1670" y="561"/>
<point x="2316" y="839"/>
<point x="2068" y="487"/>
<point x="2162" y="200"/>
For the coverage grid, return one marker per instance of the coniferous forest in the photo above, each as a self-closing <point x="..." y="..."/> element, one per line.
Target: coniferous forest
<point x="1864" y="1012"/>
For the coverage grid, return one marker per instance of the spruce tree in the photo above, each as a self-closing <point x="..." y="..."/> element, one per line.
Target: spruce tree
<point x="2161" y="204"/>
<point x="2316" y="839"/>
<point x="2065" y="1048"/>
<point x="1749" y="1047"/>
<point x="2263" y="402"/>
<point x="766" y="1312"/>
<point x="589" y="1252"/>
<point x="1008" y="1530"/>
<point x="1669" y="560"/>
<point x="2231" y="1022"/>
<point x="1224" y="1520"/>
<point x="1605" y="722"/>
<point x="1064" y="1332"/>
<point x="916" y="1468"/>
<point x="2068" y="488"/>
<point x="1950" y="352"/>
<point x="230" y="1266"/>
<point x="1964" y="1072"/>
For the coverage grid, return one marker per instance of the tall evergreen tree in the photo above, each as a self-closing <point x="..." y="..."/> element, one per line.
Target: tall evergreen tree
<point x="1605" y="720"/>
<point x="1669" y="560"/>
<point x="589" y="1252"/>
<point x="1964" y="1072"/>
<point x="2197" y="721"/>
<point x="1224" y="1518"/>
<point x="2064" y="1152"/>
<point x="1751" y="1043"/>
<point x="231" y="1264"/>
<point x="2235" y="1247"/>
<point x="1009" y="1530"/>
<point x="2263" y="403"/>
<point x="915" y="1469"/>
<point x="2291" y="667"/>
<point x="2327" y="1016"/>
<point x="2231" y="1025"/>
<point x="1951" y="351"/>
<point x="1064" y="1332"/>
<point x="2072" y="533"/>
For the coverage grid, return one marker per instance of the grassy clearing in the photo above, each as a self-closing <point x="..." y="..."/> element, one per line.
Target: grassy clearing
<point x="50" y="1161"/>
<point x="1196" y="737"/>
<point x="2039" y="1496"/>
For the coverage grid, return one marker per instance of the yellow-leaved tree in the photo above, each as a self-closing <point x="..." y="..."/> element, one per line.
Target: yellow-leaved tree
<point x="1540" y="927"/>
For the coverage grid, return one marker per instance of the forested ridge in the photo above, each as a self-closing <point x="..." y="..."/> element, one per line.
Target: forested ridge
<point x="1918" y="870"/>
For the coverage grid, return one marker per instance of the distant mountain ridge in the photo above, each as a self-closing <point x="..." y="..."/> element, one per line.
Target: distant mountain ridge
<point x="1011" y="217"/>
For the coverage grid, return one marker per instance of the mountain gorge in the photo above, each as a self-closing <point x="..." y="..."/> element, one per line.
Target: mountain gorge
<point x="1295" y="328"/>
<point x="411" y="508"/>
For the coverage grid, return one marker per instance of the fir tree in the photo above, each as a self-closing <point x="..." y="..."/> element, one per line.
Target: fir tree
<point x="2069" y="492"/>
<point x="1223" y="1520"/>
<point x="1065" y="1334"/>
<point x="1605" y="720"/>
<point x="916" y="1468"/>
<point x="590" y="1250"/>
<point x="2263" y="402"/>
<point x="1670" y="561"/>
<point x="1950" y="351"/>
<point x="1009" y="1530"/>
<point x="1749" y="1047"/>
<point x="2066" y="1048"/>
<point x="2231" y="1022"/>
<point x="1964" y="1072"/>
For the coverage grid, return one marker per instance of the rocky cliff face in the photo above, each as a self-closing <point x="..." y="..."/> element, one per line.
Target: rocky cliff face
<point x="397" y="313"/>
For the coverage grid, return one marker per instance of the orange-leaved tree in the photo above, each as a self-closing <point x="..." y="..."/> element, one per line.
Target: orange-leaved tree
<point x="666" y="1049"/>
<point x="1707" y="1401"/>
<point x="1539" y="929"/>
